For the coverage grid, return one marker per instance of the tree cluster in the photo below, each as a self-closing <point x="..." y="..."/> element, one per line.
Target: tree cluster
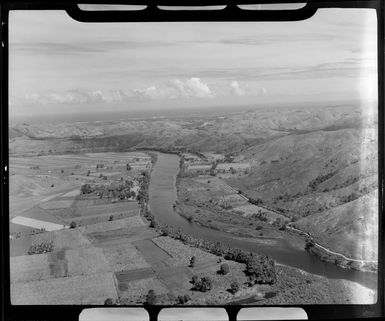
<point x="203" y="284"/>
<point x="183" y="299"/>
<point x="41" y="248"/>
<point x="261" y="269"/>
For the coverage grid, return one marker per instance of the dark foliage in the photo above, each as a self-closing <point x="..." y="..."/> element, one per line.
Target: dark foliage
<point x="86" y="189"/>
<point x="109" y="301"/>
<point x="234" y="287"/>
<point x="261" y="269"/>
<point x="224" y="268"/>
<point x="151" y="298"/>
<point x="203" y="285"/>
<point x="192" y="261"/>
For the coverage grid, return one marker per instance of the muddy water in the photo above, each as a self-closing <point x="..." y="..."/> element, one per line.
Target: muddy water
<point x="162" y="195"/>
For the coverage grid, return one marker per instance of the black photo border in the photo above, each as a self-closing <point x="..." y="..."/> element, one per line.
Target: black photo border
<point x="151" y="13"/>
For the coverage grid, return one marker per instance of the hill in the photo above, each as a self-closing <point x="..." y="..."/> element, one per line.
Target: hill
<point x="350" y="228"/>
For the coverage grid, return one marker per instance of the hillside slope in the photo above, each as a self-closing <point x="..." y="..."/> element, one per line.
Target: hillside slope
<point x="351" y="228"/>
<point x="309" y="173"/>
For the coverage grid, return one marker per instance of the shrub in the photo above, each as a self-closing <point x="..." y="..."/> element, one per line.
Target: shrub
<point x="309" y="244"/>
<point x="192" y="261"/>
<point x="234" y="287"/>
<point x="153" y="223"/>
<point x="86" y="189"/>
<point x="194" y="279"/>
<point x="111" y="218"/>
<point x="151" y="297"/>
<point x="109" y="301"/>
<point x="165" y="230"/>
<point x="186" y="298"/>
<point x="204" y="284"/>
<point x="182" y="299"/>
<point x="224" y="268"/>
<point x="72" y="224"/>
<point x="259" y="227"/>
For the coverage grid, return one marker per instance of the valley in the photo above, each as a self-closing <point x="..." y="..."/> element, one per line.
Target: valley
<point x="255" y="176"/>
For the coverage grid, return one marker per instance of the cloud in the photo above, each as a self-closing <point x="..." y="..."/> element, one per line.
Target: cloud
<point x="192" y="87"/>
<point x="197" y="88"/>
<point x="263" y="91"/>
<point x="174" y="89"/>
<point x="237" y="90"/>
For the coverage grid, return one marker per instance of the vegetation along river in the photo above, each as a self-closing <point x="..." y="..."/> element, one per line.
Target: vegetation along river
<point x="163" y="194"/>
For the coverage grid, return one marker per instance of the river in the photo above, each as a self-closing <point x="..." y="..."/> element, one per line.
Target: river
<point x="163" y="194"/>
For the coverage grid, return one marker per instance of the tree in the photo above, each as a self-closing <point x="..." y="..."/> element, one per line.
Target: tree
<point x="234" y="287"/>
<point x="73" y="224"/>
<point x="153" y="223"/>
<point x="111" y="218"/>
<point x="261" y="269"/>
<point x="182" y="299"/>
<point x="108" y="301"/>
<point x="192" y="261"/>
<point x="309" y="244"/>
<point x="194" y="279"/>
<point x="186" y="298"/>
<point x="151" y="297"/>
<point x="204" y="284"/>
<point x="224" y="268"/>
<point x="86" y="189"/>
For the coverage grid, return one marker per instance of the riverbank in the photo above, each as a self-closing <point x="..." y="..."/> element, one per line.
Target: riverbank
<point x="326" y="255"/>
<point x="339" y="260"/>
<point x="209" y="202"/>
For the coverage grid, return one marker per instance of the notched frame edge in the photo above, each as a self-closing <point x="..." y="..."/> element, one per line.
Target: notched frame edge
<point x="72" y="312"/>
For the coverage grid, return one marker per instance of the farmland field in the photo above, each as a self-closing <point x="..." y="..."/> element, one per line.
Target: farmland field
<point x="101" y="242"/>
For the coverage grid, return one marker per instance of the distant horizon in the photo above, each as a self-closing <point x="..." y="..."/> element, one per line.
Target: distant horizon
<point x="168" y="112"/>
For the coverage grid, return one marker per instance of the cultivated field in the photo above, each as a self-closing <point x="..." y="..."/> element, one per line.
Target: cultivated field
<point x="102" y="247"/>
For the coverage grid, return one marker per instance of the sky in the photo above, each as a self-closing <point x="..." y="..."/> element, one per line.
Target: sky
<point x="58" y="65"/>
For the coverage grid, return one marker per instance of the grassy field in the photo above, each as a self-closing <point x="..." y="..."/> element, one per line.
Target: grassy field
<point x="80" y="289"/>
